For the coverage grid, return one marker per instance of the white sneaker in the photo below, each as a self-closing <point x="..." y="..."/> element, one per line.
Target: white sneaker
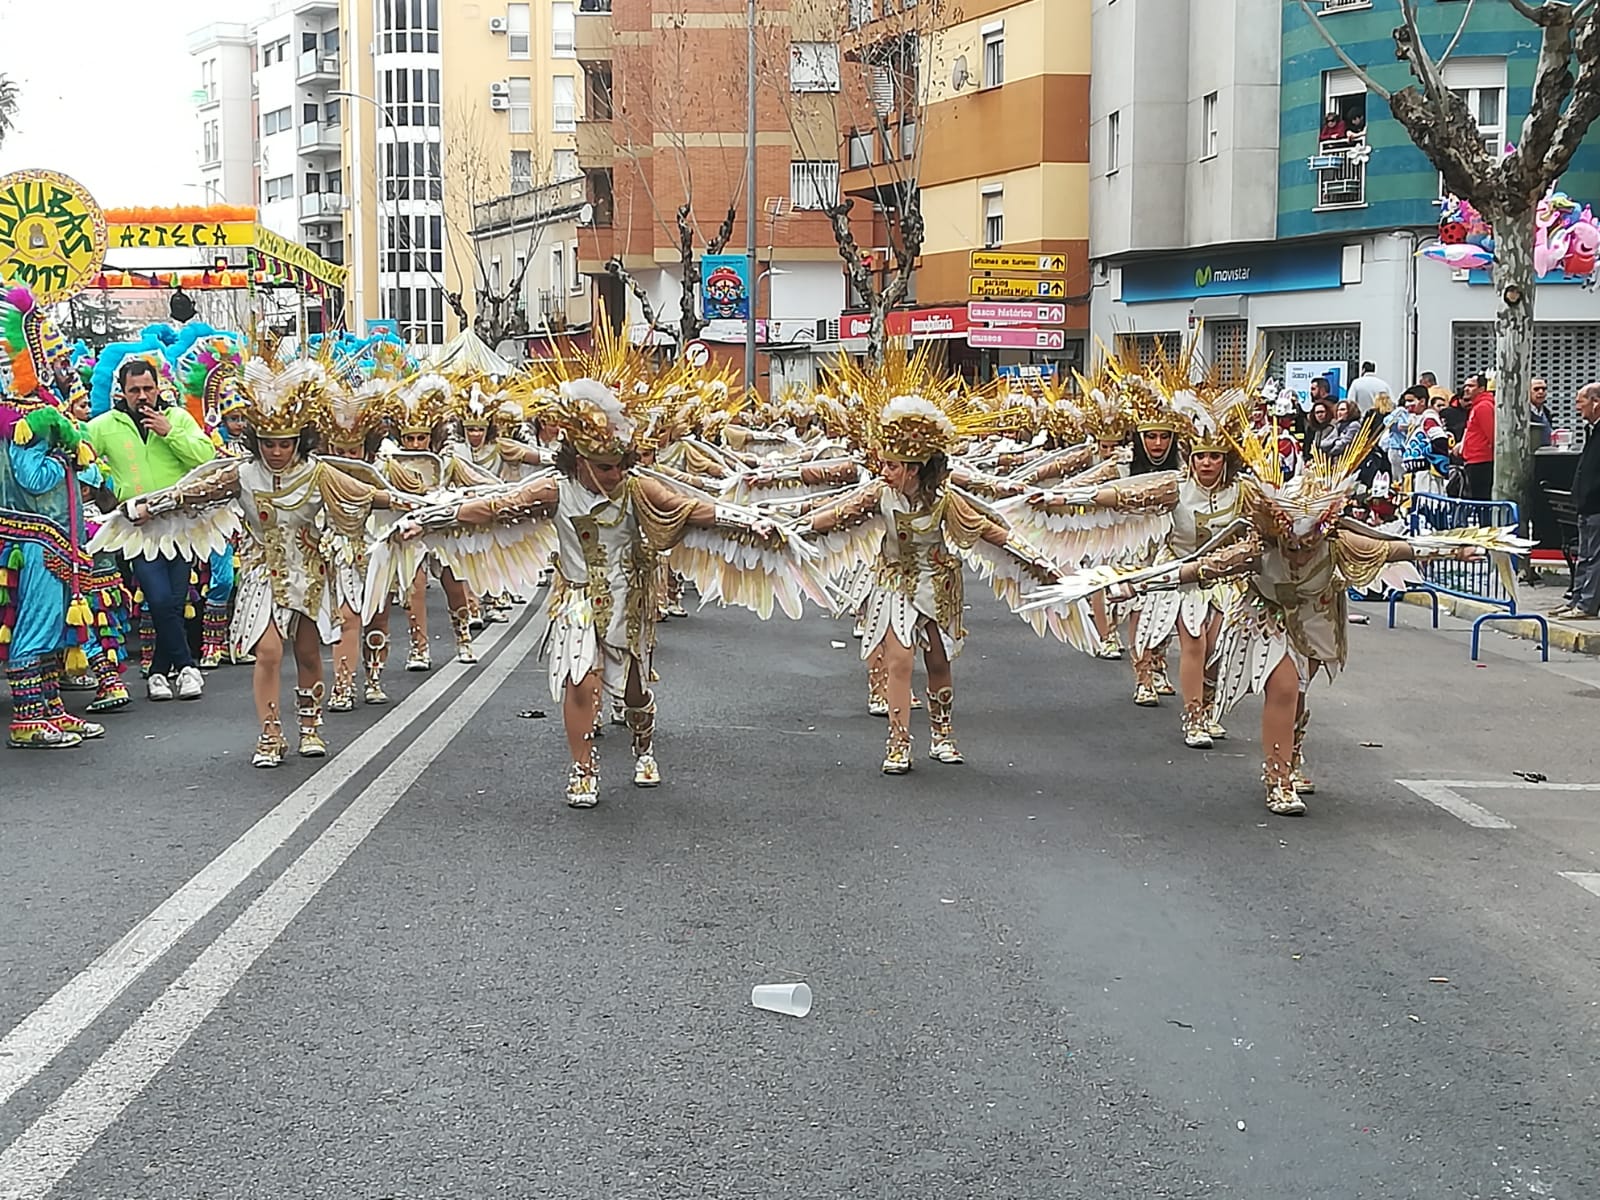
<point x="190" y="683"/>
<point x="158" y="688"/>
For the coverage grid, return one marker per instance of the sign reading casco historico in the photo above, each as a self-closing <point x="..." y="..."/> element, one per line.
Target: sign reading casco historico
<point x="1233" y="273"/>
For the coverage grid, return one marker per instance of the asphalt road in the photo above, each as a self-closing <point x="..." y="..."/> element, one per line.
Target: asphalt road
<point x="1088" y="963"/>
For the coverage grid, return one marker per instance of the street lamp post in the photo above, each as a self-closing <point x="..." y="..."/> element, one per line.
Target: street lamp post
<point x="377" y="174"/>
<point x="750" y="195"/>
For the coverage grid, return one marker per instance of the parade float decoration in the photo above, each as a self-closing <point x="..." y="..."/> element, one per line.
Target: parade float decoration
<point x="53" y="236"/>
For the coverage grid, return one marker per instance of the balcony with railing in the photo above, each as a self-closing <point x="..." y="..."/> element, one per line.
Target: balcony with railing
<point x="1341" y="168"/>
<point x="317" y="66"/>
<point x="316" y="137"/>
<point x="320" y="206"/>
<point x="879" y="157"/>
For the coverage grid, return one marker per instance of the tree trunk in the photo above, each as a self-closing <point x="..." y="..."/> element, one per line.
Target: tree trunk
<point x="878" y="331"/>
<point x="1513" y="269"/>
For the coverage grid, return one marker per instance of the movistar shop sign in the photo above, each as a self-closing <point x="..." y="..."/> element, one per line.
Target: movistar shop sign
<point x="1286" y="268"/>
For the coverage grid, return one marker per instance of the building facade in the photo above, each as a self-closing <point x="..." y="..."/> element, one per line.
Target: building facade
<point x="662" y="125"/>
<point x="1243" y="178"/>
<point x="224" y="54"/>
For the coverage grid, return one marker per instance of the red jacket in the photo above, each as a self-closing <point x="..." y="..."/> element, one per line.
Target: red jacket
<point x="1477" y="444"/>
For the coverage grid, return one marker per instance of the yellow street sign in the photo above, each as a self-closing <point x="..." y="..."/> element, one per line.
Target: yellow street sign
<point x="1031" y="289"/>
<point x="164" y="235"/>
<point x="52" y="234"/>
<point x="994" y="260"/>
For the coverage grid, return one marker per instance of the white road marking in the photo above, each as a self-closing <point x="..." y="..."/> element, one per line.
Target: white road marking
<point x="1589" y="881"/>
<point x="52" y="1145"/>
<point x="49" y="1029"/>
<point x="1446" y="797"/>
<point x="1446" y="793"/>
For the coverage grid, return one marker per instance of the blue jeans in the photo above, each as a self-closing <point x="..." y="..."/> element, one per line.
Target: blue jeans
<point x="165" y="583"/>
<point x="1586" y="593"/>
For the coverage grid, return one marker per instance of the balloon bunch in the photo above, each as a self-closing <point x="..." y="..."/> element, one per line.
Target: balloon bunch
<point x="1465" y="238"/>
<point x="1565" y="237"/>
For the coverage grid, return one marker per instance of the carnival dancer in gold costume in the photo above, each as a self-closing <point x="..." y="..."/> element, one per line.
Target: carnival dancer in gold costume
<point x="917" y="530"/>
<point x="287" y="496"/>
<point x="606" y="520"/>
<point x="1297" y="556"/>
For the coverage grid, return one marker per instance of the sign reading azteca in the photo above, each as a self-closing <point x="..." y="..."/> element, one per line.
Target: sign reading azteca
<point x="52" y="233"/>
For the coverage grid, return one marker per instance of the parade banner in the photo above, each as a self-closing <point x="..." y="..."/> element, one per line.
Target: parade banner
<point x="166" y="235"/>
<point x="724" y="287"/>
<point x="52" y="234"/>
<point x="312" y="266"/>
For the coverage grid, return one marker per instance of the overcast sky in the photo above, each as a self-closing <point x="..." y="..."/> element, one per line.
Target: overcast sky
<point x="105" y="92"/>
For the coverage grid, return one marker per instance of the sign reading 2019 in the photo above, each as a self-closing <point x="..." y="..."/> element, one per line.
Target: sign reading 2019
<point x="52" y="233"/>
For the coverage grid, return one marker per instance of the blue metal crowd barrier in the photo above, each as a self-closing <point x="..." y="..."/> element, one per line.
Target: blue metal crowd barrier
<point x="1478" y="581"/>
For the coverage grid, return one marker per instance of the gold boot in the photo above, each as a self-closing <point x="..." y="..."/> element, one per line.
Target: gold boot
<point x="1213" y="717"/>
<point x="583" y="784"/>
<point x="1299" y="780"/>
<point x="308" y="713"/>
<point x="1281" y="798"/>
<point x="641" y="723"/>
<point x="418" y="658"/>
<point x="1196" y="733"/>
<point x="877" y="692"/>
<point x="942" y="740"/>
<point x="377" y="645"/>
<point x="270" y="745"/>
<point x="461" y="622"/>
<point x="342" y="696"/>
<point x="897" y="752"/>
<point x="1144" y="690"/>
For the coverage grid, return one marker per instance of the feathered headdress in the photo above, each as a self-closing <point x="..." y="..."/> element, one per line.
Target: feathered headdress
<point x="908" y="411"/>
<point x="283" y="398"/>
<point x="480" y="404"/>
<point x="208" y="376"/>
<point x="598" y="398"/>
<point x="1301" y="509"/>
<point x="423" y="403"/>
<point x="1105" y="418"/>
<point x="32" y="345"/>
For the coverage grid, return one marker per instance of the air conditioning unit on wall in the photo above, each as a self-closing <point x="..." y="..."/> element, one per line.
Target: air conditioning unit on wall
<point x="500" y="88"/>
<point x="497" y="24"/>
<point x="499" y="103"/>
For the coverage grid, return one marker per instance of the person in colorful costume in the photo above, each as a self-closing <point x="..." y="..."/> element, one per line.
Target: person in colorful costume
<point x="46" y="625"/>
<point x="287" y="496"/>
<point x="917" y="529"/>
<point x="605" y="519"/>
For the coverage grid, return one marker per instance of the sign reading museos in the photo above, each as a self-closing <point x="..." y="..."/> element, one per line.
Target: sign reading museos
<point x="1233" y="273"/>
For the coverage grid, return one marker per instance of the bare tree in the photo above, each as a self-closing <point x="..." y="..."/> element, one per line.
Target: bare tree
<point x="677" y="169"/>
<point x="10" y="97"/>
<point x="478" y="179"/>
<point x="875" y="103"/>
<point x="1565" y="100"/>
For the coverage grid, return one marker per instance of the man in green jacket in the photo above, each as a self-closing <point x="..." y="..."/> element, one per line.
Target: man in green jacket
<point x="146" y="446"/>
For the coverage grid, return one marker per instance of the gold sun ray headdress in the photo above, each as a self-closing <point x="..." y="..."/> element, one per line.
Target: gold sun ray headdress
<point x="1299" y="509"/>
<point x="284" y="393"/>
<point x="908" y="411"/>
<point x="599" y="398"/>
<point x="1105" y="418"/>
<point x="423" y="403"/>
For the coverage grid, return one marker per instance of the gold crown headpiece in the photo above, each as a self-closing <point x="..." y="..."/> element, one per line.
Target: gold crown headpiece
<point x="1105" y="418"/>
<point x="597" y="397"/>
<point x="478" y="403"/>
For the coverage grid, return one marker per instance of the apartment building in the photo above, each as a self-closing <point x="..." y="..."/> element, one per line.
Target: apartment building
<point x="986" y="110"/>
<point x="663" y="123"/>
<point x="224" y="55"/>
<point x="1242" y="176"/>
<point x="451" y="107"/>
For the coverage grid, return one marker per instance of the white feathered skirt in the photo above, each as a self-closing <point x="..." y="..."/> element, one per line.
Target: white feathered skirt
<point x="573" y="645"/>
<point x="1192" y="606"/>
<point x="254" y="609"/>
<point x="890" y="609"/>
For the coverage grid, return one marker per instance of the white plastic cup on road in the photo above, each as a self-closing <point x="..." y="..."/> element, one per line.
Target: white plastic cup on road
<point x="790" y="999"/>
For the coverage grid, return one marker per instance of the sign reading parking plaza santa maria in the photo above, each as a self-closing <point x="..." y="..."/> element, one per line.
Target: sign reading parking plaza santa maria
<point x="1032" y="289"/>
<point x="52" y="234"/>
<point x="995" y="260"/>
<point x="1233" y="273"/>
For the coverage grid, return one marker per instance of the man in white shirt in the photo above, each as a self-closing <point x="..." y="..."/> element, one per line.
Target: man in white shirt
<point x="1369" y="392"/>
